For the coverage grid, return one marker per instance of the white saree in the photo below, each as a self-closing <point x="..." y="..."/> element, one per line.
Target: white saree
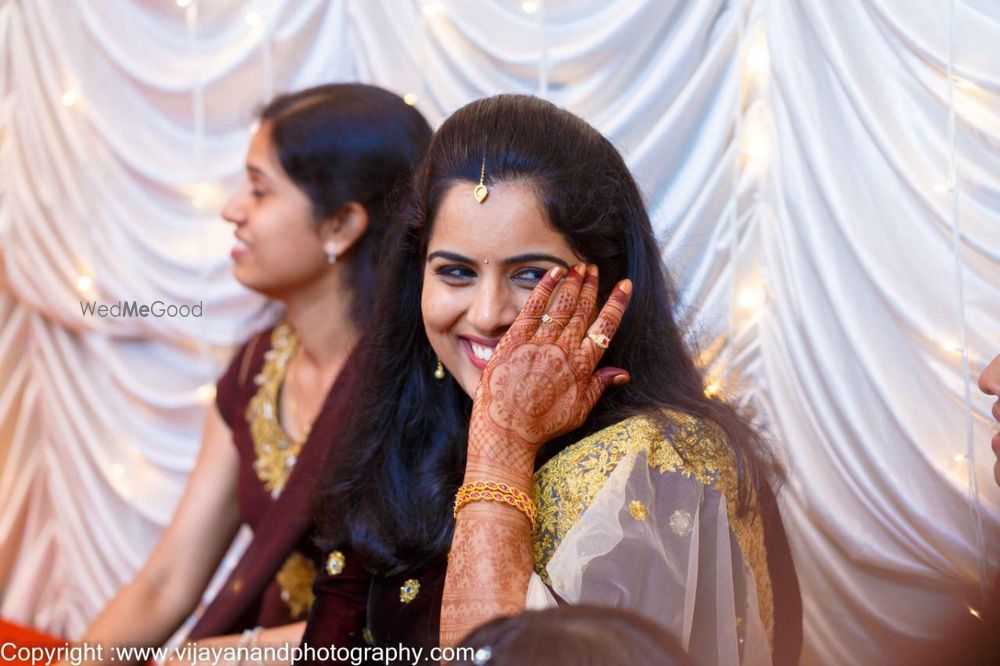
<point x="643" y="517"/>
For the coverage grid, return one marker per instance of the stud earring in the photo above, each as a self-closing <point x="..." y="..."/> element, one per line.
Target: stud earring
<point x="331" y="252"/>
<point x="439" y="371"/>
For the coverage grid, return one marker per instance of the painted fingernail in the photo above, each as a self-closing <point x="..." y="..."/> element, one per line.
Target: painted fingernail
<point x="592" y="270"/>
<point x="626" y="286"/>
<point x="619" y="380"/>
<point x="556" y="272"/>
<point x="579" y="269"/>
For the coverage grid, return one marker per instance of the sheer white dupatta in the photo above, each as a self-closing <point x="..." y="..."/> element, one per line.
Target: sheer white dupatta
<point x="642" y="519"/>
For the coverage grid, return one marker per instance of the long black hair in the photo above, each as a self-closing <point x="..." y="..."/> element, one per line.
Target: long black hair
<point x="391" y="496"/>
<point x="344" y="142"/>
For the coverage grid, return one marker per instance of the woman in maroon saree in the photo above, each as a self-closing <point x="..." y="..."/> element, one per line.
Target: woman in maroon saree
<point x="308" y="220"/>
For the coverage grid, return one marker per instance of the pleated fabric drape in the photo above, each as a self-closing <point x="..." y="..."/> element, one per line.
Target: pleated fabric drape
<point x="824" y="178"/>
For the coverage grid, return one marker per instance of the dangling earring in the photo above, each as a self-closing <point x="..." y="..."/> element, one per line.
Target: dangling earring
<point x="331" y="252"/>
<point x="439" y="371"/>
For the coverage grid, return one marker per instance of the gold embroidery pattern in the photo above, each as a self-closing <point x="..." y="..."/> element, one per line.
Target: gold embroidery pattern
<point x="276" y="451"/>
<point x="566" y="485"/>
<point x="638" y="510"/>
<point x="295" y="578"/>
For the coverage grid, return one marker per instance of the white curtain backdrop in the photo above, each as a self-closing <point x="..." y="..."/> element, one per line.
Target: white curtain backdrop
<point x="824" y="177"/>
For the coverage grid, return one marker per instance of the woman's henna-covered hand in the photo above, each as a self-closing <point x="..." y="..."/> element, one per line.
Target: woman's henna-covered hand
<point x="540" y="383"/>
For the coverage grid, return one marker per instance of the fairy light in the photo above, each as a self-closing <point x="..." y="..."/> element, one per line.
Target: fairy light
<point x="432" y="8"/>
<point x="756" y="143"/>
<point x="713" y="389"/>
<point x="205" y="194"/>
<point x="757" y="63"/>
<point x="960" y="457"/>
<point x="951" y="346"/>
<point x="752" y="298"/>
<point x="410" y="99"/>
<point x="183" y="3"/>
<point x="975" y="613"/>
<point x="70" y="98"/>
<point x="529" y="7"/>
<point x="120" y="480"/>
<point x="205" y="393"/>
<point x="84" y="283"/>
<point x="756" y="139"/>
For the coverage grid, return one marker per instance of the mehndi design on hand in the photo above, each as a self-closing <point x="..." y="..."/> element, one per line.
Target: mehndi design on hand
<point x="541" y="381"/>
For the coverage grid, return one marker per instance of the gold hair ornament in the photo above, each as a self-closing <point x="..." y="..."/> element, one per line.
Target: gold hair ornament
<point x="481" y="192"/>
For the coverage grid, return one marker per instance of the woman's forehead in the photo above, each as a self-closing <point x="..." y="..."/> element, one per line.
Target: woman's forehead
<point x="510" y="221"/>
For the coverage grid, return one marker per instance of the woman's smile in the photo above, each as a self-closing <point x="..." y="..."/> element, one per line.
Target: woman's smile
<point x="480" y="351"/>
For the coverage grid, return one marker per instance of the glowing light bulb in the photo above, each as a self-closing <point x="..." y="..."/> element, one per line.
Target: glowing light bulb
<point x="975" y="613"/>
<point x="183" y="3"/>
<point x="205" y="393"/>
<point x="960" y="457"/>
<point x="70" y="98"/>
<point x="205" y="194"/>
<point x="529" y="6"/>
<point x="952" y="346"/>
<point x="84" y="283"/>
<point x="756" y="143"/>
<point x="432" y="8"/>
<point x="756" y="140"/>
<point x="758" y="58"/>
<point x="752" y="298"/>
<point x="410" y="98"/>
<point x="713" y="389"/>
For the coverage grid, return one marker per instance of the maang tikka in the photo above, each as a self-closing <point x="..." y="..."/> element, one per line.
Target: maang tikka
<point x="481" y="192"/>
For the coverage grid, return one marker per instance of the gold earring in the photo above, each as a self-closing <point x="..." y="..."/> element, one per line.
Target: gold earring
<point x="481" y="192"/>
<point x="439" y="371"/>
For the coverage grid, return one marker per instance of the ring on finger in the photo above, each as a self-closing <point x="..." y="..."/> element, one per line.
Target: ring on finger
<point x="548" y="319"/>
<point x="599" y="339"/>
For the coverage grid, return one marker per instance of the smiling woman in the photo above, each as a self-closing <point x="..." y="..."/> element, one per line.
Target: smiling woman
<point x="569" y="452"/>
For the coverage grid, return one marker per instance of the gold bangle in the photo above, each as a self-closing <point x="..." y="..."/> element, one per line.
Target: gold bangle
<point x="493" y="491"/>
